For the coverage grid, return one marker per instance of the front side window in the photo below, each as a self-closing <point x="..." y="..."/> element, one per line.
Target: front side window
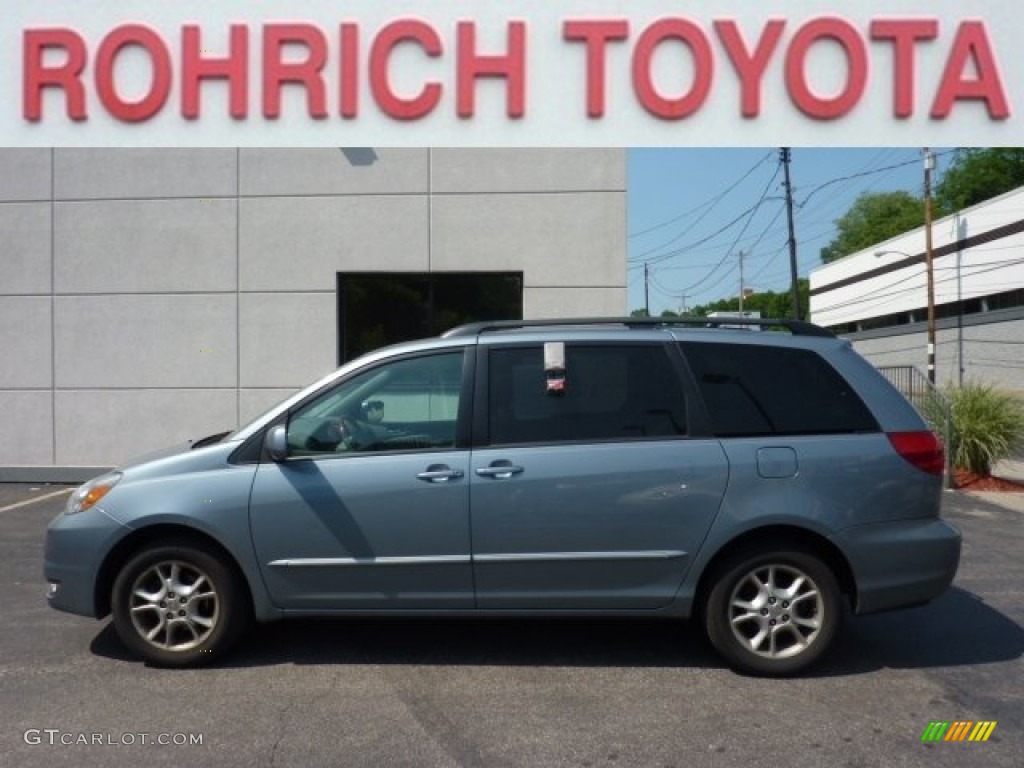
<point x="410" y="404"/>
<point x="610" y="393"/>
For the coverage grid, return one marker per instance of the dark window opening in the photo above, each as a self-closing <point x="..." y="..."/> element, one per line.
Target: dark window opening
<point x="377" y="309"/>
<point x="975" y="306"/>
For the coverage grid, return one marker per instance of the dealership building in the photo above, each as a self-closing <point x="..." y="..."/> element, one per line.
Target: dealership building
<point x="878" y="297"/>
<point x="150" y="296"/>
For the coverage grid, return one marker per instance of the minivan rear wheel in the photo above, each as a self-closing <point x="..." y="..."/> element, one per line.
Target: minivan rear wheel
<point x="177" y="605"/>
<point x="773" y="613"/>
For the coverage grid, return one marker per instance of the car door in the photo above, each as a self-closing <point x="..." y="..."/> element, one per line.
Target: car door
<point x="371" y="508"/>
<point x="589" y="494"/>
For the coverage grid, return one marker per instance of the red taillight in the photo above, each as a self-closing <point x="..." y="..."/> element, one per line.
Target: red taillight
<point x="922" y="449"/>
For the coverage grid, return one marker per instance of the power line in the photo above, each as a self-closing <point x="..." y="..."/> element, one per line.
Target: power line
<point x="771" y="258"/>
<point x="710" y="202"/>
<point x="665" y="256"/>
<point x="748" y="243"/>
<point x="751" y="211"/>
<point x="758" y="240"/>
<point x="748" y="212"/>
<point x="865" y="173"/>
<point x="811" y="202"/>
<point x="839" y="196"/>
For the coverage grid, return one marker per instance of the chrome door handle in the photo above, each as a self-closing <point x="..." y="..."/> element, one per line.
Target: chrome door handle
<point x="499" y="472"/>
<point x="439" y="473"/>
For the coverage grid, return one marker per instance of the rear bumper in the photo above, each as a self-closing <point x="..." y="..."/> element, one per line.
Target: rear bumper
<point x="900" y="564"/>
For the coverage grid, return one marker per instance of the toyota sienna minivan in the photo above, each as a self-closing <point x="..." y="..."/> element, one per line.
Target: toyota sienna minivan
<point x="754" y="482"/>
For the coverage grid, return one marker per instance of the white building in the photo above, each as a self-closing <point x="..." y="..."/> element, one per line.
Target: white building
<point x="151" y="296"/>
<point x="878" y="297"/>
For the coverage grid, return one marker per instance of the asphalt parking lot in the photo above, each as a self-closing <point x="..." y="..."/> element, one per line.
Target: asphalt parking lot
<point x="519" y="693"/>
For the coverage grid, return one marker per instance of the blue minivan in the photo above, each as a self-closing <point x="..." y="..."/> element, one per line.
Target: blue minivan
<point x="611" y="467"/>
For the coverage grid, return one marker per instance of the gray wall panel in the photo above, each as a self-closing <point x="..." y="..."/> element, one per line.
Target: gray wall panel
<point x="25" y="342"/>
<point x="197" y="287"/>
<point x="254" y="402"/>
<point x="25" y="174"/>
<point x="25" y="255"/>
<point x="144" y="173"/>
<point x="145" y="246"/>
<point x="992" y="353"/>
<point x="109" y="427"/>
<point x="333" y="171"/>
<point x="27" y="427"/>
<point x="287" y="340"/>
<point x="561" y="240"/>
<point x="300" y="244"/>
<point x="146" y="341"/>
<point x="527" y="170"/>
<point x="574" y="302"/>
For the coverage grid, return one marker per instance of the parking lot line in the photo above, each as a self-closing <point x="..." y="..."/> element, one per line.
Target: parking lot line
<point x="44" y="497"/>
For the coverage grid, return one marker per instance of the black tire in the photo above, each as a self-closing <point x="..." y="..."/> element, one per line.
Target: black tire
<point x="192" y="605"/>
<point x="743" y="619"/>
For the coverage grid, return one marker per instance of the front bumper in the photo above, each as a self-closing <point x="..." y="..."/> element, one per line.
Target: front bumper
<point x="902" y="563"/>
<point x="75" y="548"/>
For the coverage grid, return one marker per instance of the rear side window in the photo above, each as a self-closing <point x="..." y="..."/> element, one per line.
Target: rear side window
<point x="611" y="393"/>
<point x="757" y="390"/>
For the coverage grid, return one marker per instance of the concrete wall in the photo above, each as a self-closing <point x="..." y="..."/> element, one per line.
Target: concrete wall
<point x="152" y="296"/>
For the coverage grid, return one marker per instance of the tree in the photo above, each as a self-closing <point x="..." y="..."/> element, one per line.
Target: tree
<point x="768" y="303"/>
<point x="977" y="175"/>
<point x="872" y="219"/>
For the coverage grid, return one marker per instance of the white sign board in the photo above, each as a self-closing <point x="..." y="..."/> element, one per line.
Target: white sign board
<point x="529" y="73"/>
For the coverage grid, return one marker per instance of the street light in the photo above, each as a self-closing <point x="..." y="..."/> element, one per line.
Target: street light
<point x="931" y="303"/>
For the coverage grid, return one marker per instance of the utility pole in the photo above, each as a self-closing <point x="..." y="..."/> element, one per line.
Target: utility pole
<point x="647" y="289"/>
<point x="785" y="156"/>
<point x="741" y="282"/>
<point x="682" y="303"/>
<point x="929" y="166"/>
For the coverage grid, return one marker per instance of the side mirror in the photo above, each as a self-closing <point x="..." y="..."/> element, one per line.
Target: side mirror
<point x="276" y="442"/>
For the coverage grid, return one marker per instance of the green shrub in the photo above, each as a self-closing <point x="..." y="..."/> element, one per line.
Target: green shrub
<point x="988" y="425"/>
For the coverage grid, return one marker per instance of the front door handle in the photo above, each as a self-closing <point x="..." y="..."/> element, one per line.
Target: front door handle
<point x="499" y="470"/>
<point x="439" y="473"/>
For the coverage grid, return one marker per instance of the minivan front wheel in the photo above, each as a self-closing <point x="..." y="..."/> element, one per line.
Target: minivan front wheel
<point x="177" y="605"/>
<point x="773" y="613"/>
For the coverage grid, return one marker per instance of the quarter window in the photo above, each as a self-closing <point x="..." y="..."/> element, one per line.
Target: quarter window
<point x="765" y="390"/>
<point x="611" y="393"/>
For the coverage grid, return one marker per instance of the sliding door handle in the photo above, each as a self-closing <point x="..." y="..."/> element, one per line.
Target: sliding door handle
<point x="439" y="473"/>
<point x="499" y="470"/>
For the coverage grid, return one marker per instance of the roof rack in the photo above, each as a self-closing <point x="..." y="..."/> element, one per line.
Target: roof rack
<point x="795" y="327"/>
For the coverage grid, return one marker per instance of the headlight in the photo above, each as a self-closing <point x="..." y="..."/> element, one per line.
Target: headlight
<point x="89" y="494"/>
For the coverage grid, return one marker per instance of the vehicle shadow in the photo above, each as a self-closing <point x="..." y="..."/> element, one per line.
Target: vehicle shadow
<point x="958" y="629"/>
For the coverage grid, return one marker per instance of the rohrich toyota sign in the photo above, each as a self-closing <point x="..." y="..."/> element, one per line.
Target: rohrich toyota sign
<point x="733" y="72"/>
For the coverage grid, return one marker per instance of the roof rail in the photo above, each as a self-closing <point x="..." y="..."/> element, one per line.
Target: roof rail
<point x="795" y="327"/>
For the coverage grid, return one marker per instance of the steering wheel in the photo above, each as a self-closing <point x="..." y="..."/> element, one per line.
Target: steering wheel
<point x="353" y="435"/>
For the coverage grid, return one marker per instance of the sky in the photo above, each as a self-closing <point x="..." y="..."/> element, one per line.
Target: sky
<point x="692" y="210"/>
